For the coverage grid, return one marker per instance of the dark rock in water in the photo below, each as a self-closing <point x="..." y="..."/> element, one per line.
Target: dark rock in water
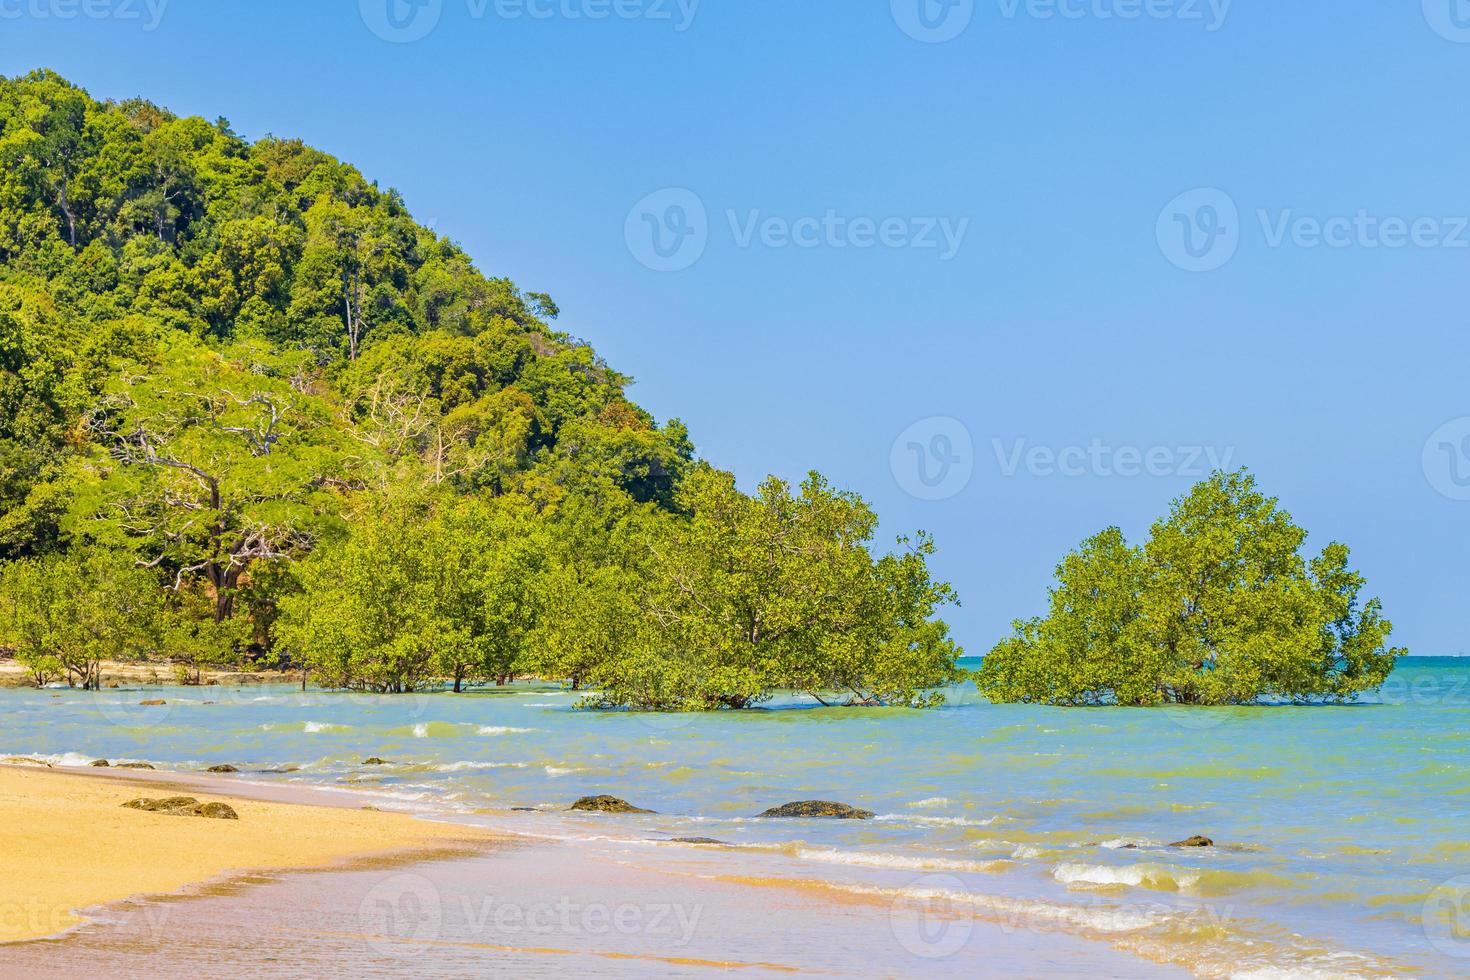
<point x="153" y="703"/>
<point x="225" y="768"/>
<point x="185" y="806"/>
<point x="1195" y="841"/>
<point x="134" y="765"/>
<point x="525" y="809"/>
<point x="374" y="761"/>
<point x="607" y="804"/>
<point x="100" y="764"/>
<point x="17" y="760"/>
<point x="699" y="840"/>
<point x="819" y="808"/>
<point x="372" y="809"/>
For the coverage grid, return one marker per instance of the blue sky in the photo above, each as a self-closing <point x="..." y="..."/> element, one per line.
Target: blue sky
<point x="1177" y="231"/>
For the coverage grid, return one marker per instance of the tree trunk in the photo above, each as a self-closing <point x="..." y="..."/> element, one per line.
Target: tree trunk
<point x="71" y="221"/>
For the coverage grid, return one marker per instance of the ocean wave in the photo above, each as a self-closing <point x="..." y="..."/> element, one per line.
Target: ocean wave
<point x="1154" y="876"/>
<point x="931" y="801"/>
<point x="309" y="727"/>
<point x="935" y="821"/>
<point x="1022" y="913"/>
<point x="466" y="764"/>
<point x="902" y="862"/>
<point x="502" y="730"/>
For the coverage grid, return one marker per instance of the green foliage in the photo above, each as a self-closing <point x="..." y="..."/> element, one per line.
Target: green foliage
<point x="750" y="595"/>
<point x="242" y="378"/>
<point x="423" y="587"/>
<point x="64" y="615"/>
<point x="1219" y="607"/>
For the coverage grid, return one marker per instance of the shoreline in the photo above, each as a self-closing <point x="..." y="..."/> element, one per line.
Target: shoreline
<point x="119" y="674"/>
<point x="72" y="845"/>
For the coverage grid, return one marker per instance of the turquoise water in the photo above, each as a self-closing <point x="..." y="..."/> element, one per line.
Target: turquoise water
<point x="1337" y="827"/>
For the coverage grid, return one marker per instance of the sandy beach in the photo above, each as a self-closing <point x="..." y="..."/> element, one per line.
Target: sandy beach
<point x="70" y="843"/>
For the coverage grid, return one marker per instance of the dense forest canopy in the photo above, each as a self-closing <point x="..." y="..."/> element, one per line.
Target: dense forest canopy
<point x="252" y="412"/>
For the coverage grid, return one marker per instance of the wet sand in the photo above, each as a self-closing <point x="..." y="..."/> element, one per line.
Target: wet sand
<point x="69" y="843"/>
<point x="542" y="908"/>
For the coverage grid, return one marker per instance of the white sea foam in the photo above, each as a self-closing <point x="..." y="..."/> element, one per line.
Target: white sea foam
<point x="502" y="730"/>
<point x="1023" y="913"/>
<point x="558" y="771"/>
<point x="903" y="862"/>
<point x="935" y="821"/>
<point x="1133" y="875"/>
<point x="931" y="801"/>
<point x="467" y="764"/>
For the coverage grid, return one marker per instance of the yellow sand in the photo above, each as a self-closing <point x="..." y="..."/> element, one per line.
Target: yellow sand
<point x="66" y="842"/>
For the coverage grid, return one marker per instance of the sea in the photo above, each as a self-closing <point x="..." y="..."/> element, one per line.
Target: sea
<point x="1341" y="833"/>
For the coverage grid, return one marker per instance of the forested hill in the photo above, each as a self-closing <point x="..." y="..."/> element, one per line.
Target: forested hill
<point x="247" y="400"/>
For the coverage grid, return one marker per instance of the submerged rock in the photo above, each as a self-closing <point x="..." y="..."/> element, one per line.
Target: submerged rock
<point x="225" y="768"/>
<point x="699" y="840"/>
<point x="134" y="765"/>
<point x="374" y="761"/>
<point x="1195" y="841"/>
<point x="525" y="809"/>
<point x="184" y="806"/>
<point x="607" y="804"/>
<point x="818" y="808"/>
<point x="100" y="764"/>
<point x="155" y="702"/>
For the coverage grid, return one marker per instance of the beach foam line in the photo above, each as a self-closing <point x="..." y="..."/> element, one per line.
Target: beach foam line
<point x="934" y="821"/>
<point x="900" y="862"/>
<point x="1147" y="875"/>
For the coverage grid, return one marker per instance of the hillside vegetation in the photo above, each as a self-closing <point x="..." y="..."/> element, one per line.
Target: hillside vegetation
<point x="252" y="412"/>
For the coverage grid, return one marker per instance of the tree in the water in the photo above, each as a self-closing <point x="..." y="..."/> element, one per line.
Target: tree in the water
<point x="1219" y="607"/>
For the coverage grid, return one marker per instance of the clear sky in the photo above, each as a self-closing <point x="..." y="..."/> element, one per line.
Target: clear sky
<point x="1060" y="253"/>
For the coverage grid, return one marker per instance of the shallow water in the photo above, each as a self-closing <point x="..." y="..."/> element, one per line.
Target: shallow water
<point x="1336" y="825"/>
